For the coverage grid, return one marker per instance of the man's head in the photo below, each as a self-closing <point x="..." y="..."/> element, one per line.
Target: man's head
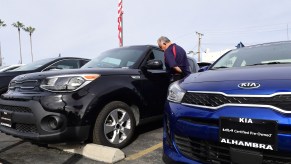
<point x="164" y="42"/>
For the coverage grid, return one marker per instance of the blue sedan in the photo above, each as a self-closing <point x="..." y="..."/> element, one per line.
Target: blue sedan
<point x="238" y="111"/>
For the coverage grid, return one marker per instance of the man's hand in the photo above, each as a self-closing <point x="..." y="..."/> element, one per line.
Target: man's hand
<point x="178" y="69"/>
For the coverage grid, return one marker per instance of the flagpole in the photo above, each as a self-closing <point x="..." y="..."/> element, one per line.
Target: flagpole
<point x="0" y="55"/>
<point x="120" y="23"/>
<point x="121" y="45"/>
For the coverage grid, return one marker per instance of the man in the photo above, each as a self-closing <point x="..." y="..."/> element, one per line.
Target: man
<point x="175" y="59"/>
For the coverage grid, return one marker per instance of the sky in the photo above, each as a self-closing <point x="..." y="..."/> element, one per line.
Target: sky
<point x="85" y="28"/>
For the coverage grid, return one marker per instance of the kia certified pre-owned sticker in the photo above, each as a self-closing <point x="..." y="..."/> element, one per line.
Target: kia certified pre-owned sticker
<point x="247" y="132"/>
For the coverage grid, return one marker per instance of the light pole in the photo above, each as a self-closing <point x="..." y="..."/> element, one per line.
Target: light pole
<point x="199" y="44"/>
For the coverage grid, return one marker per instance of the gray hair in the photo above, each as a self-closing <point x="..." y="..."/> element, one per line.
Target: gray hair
<point x="163" y="39"/>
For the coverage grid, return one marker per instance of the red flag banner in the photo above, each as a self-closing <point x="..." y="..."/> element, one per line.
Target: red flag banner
<point x="120" y="30"/>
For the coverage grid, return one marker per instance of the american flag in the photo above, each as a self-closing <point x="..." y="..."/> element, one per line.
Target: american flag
<point x="120" y="30"/>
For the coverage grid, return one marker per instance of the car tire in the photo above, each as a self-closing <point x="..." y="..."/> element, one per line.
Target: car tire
<point x="115" y="125"/>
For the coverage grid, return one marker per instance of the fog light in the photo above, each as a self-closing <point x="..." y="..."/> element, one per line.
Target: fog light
<point x="54" y="122"/>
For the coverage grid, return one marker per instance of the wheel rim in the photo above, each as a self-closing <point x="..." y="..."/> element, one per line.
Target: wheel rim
<point x="117" y="126"/>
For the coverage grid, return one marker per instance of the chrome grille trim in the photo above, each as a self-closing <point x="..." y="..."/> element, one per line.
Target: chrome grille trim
<point x="18" y="84"/>
<point x="241" y="105"/>
<point x="242" y="95"/>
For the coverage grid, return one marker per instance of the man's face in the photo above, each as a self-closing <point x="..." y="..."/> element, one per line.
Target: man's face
<point x="162" y="46"/>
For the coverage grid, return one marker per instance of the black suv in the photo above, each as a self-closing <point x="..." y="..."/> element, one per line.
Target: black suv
<point x="39" y="66"/>
<point x="104" y="100"/>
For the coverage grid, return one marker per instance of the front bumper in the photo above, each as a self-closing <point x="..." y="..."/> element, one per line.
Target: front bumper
<point x="194" y="134"/>
<point x="30" y="121"/>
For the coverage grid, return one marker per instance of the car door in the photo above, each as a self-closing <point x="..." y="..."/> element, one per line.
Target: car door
<point x="154" y="85"/>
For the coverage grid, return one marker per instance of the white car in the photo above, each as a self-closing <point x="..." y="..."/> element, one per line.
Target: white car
<point x="9" y="67"/>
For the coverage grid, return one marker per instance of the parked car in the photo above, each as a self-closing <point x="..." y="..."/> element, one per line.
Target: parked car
<point x="203" y="64"/>
<point x="103" y="101"/>
<point x="238" y="111"/>
<point x="194" y="67"/>
<point x="9" y="67"/>
<point x="40" y="66"/>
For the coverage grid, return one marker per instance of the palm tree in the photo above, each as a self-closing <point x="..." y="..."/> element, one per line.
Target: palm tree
<point x="19" y="25"/>
<point x="2" y="24"/>
<point x="30" y="30"/>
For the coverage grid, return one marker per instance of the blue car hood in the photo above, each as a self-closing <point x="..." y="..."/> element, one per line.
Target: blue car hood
<point x="272" y="79"/>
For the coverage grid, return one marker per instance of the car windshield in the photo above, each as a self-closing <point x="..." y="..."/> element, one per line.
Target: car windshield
<point x="33" y="65"/>
<point x="116" y="58"/>
<point x="276" y="53"/>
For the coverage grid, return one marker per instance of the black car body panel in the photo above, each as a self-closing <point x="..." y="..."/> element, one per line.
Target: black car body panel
<point x="143" y="90"/>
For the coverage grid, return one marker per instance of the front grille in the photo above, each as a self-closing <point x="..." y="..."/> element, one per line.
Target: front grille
<point x="26" y="128"/>
<point x="202" y="151"/>
<point x="26" y="85"/>
<point x="211" y="152"/>
<point x="15" y="108"/>
<point x="215" y="100"/>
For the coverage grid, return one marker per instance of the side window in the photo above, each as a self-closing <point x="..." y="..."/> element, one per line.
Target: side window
<point x="67" y="64"/>
<point x="83" y="62"/>
<point x="158" y="55"/>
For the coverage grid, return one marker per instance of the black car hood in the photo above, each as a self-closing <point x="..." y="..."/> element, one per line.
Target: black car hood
<point x="101" y="71"/>
<point x="5" y="77"/>
<point x="10" y="74"/>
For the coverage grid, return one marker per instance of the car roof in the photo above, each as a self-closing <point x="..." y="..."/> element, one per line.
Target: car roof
<point x="68" y="58"/>
<point x="149" y="46"/>
<point x="266" y="44"/>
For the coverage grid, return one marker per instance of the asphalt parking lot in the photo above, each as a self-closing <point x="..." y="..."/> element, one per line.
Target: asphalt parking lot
<point x="146" y="148"/>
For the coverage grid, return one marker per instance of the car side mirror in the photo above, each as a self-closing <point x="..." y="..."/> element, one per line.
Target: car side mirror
<point x="154" y="64"/>
<point x="202" y="69"/>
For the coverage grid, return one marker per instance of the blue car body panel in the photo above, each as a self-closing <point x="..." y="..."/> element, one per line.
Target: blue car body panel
<point x="200" y="123"/>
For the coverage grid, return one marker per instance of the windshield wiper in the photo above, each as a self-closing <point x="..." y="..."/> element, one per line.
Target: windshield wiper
<point x="218" y="67"/>
<point x="268" y="63"/>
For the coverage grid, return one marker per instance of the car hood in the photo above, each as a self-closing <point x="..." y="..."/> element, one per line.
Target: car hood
<point x="15" y="73"/>
<point x="272" y="79"/>
<point x="101" y="71"/>
<point x="5" y="77"/>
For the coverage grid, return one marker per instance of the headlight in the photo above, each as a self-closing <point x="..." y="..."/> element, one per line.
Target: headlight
<point x="67" y="83"/>
<point x="175" y="93"/>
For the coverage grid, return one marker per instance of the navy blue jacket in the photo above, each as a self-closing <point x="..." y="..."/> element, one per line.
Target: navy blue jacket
<point x="180" y="60"/>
